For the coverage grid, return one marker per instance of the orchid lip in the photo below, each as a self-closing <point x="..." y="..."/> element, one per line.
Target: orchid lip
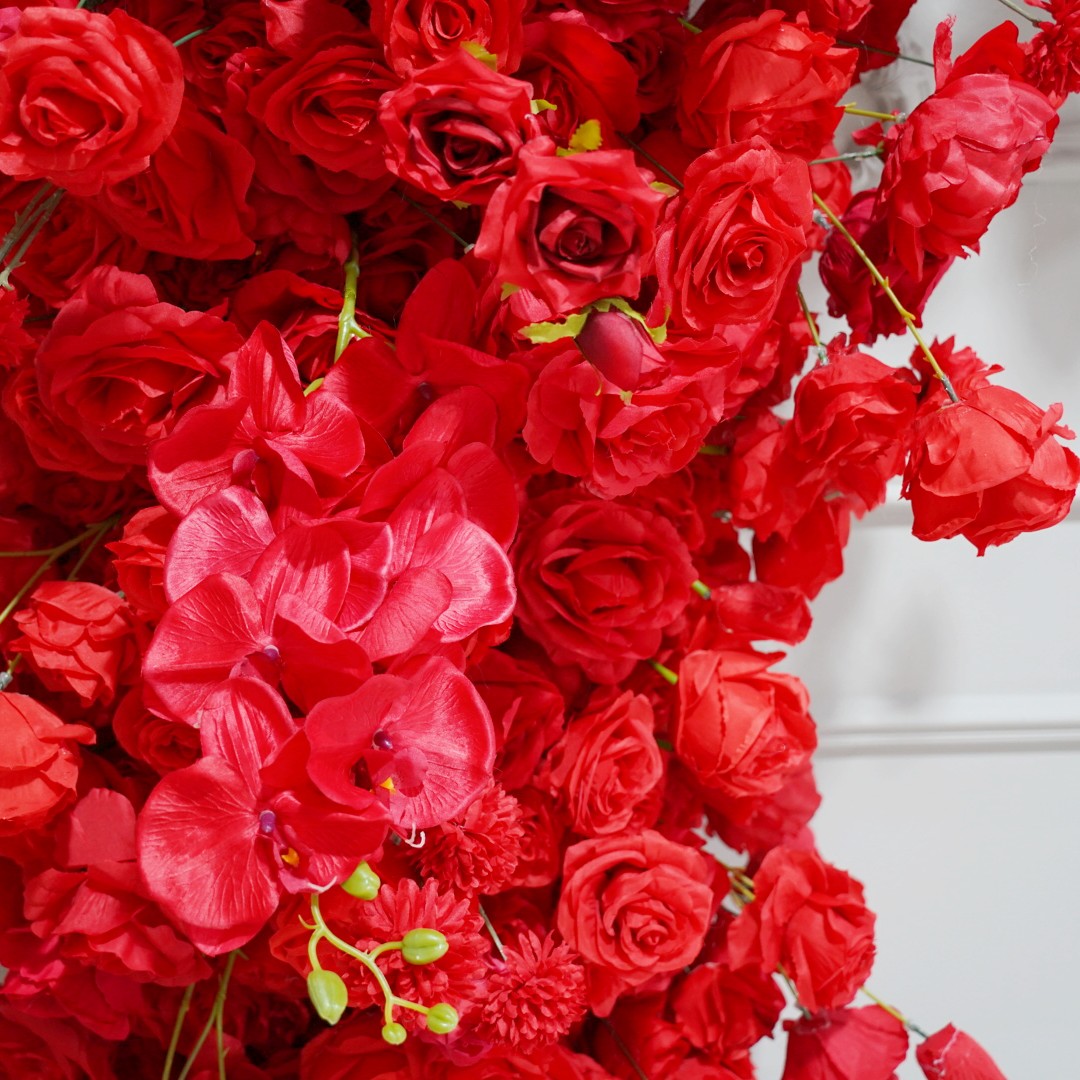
<point x="267" y="822"/>
<point x="272" y="653"/>
<point x="382" y="741"/>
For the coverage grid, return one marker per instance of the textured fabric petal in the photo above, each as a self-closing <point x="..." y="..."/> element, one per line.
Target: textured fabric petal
<point x="311" y="561"/>
<point x="415" y="600"/>
<point x="266" y="376"/>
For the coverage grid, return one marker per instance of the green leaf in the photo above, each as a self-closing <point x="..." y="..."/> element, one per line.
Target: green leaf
<point x="475" y="49"/>
<point x="587" y="137"/>
<point x="542" y="332"/>
<point x="508" y="290"/>
<point x="540" y="105"/>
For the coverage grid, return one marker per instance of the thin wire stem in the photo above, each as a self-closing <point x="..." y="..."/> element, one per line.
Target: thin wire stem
<point x="1020" y="11"/>
<point x="212" y="1019"/>
<point x="884" y="52"/>
<point x="174" y="1042"/>
<point x="491" y="930"/>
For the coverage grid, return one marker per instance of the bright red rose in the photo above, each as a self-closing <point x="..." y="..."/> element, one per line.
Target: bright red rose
<point x="191" y="201"/>
<point x="140" y="560"/>
<point x="164" y="745"/>
<point x="608" y="767"/>
<point x="323" y="102"/>
<point x="641" y="1028"/>
<point x="742" y="729"/>
<point x="455" y="129"/>
<point x="767" y="77"/>
<point x="39" y="765"/>
<point x="730" y="240"/>
<point x="418" y="33"/>
<point x="988" y="468"/>
<point x="599" y="581"/>
<point x="571" y="229"/>
<point x="812" y="918"/>
<point x="845" y="1044"/>
<point x="79" y="637"/>
<point x="85" y="98"/>
<point x="119" y="367"/>
<point x="634" y="907"/>
<point x="958" y="160"/>
<point x="954" y="1055"/>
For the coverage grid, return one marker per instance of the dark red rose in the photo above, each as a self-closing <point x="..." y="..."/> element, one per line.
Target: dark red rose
<point x="608" y="767"/>
<point x="79" y="637"/>
<point x="119" y="367"/>
<point x="323" y="103"/>
<point x="954" y="1055"/>
<point x="767" y="77"/>
<point x="418" y="33"/>
<point x="634" y="907"/>
<point x="655" y="51"/>
<point x="85" y="98"/>
<point x="599" y="581"/>
<point x="958" y="160"/>
<point x="841" y="18"/>
<point x="454" y="129"/>
<point x="812" y="919"/>
<point x="845" y="1044"/>
<point x="571" y="229"/>
<point x="730" y="240"/>
<point x="989" y="468"/>
<point x="39" y="763"/>
<point x="191" y="201"/>
<point x="742" y="729"/>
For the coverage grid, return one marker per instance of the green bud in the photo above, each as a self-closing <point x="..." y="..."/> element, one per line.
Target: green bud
<point x="363" y="883"/>
<point x="328" y="994"/>
<point x="442" y="1018"/>
<point x="423" y="946"/>
<point x="394" y="1034"/>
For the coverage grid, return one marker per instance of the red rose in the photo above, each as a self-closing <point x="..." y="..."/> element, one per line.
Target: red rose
<point x="953" y="1055"/>
<point x="730" y="240"/>
<point x="323" y="102"/>
<point x="721" y="1010"/>
<point x="958" y="160"/>
<point x="845" y="1044"/>
<point x="78" y="637"/>
<point x="599" y="581"/>
<point x="39" y="765"/>
<point x="988" y="468"/>
<point x="767" y="77"/>
<point x="742" y="729"/>
<point x="634" y="907"/>
<point x="140" y="560"/>
<point x="85" y="98"/>
<point x="571" y="229"/>
<point x="812" y="918"/>
<point x="165" y="745"/>
<point x="608" y="767"/>
<point x="455" y="129"/>
<point x="118" y="366"/>
<point x="418" y="33"/>
<point x="607" y="408"/>
<point x="191" y="201"/>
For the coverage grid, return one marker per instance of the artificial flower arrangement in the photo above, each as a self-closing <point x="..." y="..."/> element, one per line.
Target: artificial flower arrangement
<point x="398" y="524"/>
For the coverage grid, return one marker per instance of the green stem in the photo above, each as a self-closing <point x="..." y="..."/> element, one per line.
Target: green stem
<point x="853" y="155"/>
<point x="893" y="1012"/>
<point x="212" y="1019"/>
<point x="188" y="37"/>
<point x="432" y="218"/>
<point x="1020" y="11"/>
<point x="47" y="208"/>
<point x="903" y="312"/>
<point x="347" y="318"/>
<point x="854" y="110"/>
<point x="85" y="554"/>
<point x="884" y="52"/>
<point x="492" y="932"/>
<point x="174" y="1042"/>
<point x="808" y="315"/>
<point x="625" y="1050"/>
<point x="794" y="993"/>
<point x="665" y="673"/>
<point x="701" y="589"/>
<point x="652" y="161"/>
<point x="24" y="218"/>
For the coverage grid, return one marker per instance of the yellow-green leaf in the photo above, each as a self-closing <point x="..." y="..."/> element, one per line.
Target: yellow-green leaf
<point x="474" y="48"/>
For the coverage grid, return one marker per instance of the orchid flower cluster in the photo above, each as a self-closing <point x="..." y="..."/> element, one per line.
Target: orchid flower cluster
<point x="397" y="513"/>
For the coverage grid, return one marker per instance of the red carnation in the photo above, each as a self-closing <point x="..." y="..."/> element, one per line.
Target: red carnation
<point x="86" y="98"/>
<point x="79" y="637"/>
<point x="535" y="996"/>
<point x="812" y="919"/>
<point x="953" y="1055"/>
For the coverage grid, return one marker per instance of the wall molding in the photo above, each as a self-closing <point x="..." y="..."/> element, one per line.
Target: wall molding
<point x="923" y="740"/>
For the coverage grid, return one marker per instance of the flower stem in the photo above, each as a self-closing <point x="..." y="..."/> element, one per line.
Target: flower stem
<point x="491" y="930"/>
<point x="815" y="335"/>
<point x="652" y="161"/>
<point x="665" y="673"/>
<point x="347" y="325"/>
<point x="170" y="1056"/>
<point x="213" y="1020"/>
<point x="437" y="221"/>
<point x="854" y="110"/>
<point x="876" y="274"/>
<point x="41" y="217"/>
<point x="884" y="52"/>
<point x="895" y="1013"/>
<point x="1017" y="9"/>
<point x="625" y="1050"/>
<point x="188" y="37"/>
<point x="853" y="155"/>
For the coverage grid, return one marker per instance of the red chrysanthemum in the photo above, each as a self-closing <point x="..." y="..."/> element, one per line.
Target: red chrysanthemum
<point x="536" y="997"/>
<point x="479" y="852"/>
<point x="1053" y="63"/>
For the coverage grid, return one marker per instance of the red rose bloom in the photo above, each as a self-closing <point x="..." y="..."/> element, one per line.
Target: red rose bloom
<point x="767" y="77"/>
<point x="39" y="766"/>
<point x="812" y="918"/>
<point x="634" y="907"/>
<point x="79" y="637"/>
<point x="953" y="1055"/>
<point x="599" y="581"/>
<point x="455" y="129"/>
<point x="118" y="366"/>
<point x="988" y="468"/>
<point x="140" y="560"/>
<point x="729" y="242"/>
<point x="742" y="729"/>
<point x="608" y="767"/>
<point x="85" y="98"/>
<point x="571" y="229"/>
<point x="845" y="1044"/>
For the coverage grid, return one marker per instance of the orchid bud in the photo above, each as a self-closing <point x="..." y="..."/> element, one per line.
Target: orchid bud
<point x="394" y="1034"/>
<point x="328" y="994"/>
<point x="423" y="946"/>
<point x="442" y="1018"/>
<point x="363" y="883"/>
